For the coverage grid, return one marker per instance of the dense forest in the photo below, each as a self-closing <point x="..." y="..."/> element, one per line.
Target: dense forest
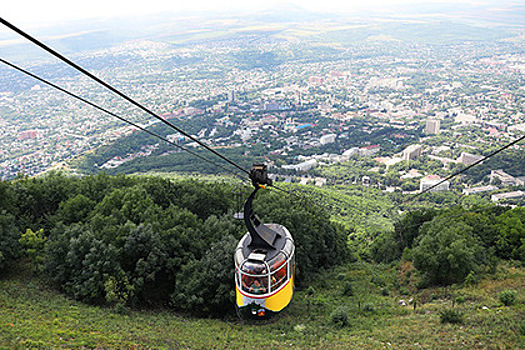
<point x="127" y="241"/>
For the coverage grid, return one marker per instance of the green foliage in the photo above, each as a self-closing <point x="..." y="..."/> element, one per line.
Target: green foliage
<point x="9" y="245"/>
<point x="510" y="243"/>
<point x="447" y="251"/>
<point x="471" y="279"/>
<point x="460" y="300"/>
<point x="75" y="209"/>
<point x="33" y="245"/>
<point x="206" y="286"/>
<point x="348" y="289"/>
<point x="508" y="297"/>
<point x="452" y="316"/>
<point x="339" y="317"/>
<point x="80" y="264"/>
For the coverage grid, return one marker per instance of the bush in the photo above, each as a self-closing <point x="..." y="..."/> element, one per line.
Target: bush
<point x="80" y="264"/>
<point x="508" y="297"/>
<point x="460" y="300"/>
<point x="471" y="279"/>
<point x="33" y="246"/>
<point x="451" y="316"/>
<point x="339" y="317"/>
<point x="369" y="307"/>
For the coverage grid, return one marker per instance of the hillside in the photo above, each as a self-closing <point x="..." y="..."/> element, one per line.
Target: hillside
<point x="146" y="262"/>
<point x="35" y="316"/>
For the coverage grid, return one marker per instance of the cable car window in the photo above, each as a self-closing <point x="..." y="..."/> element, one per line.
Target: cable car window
<point x="254" y="277"/>
<point x="278" y="278"/>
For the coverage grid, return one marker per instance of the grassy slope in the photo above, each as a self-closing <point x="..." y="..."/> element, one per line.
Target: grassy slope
<point x="32" y="315"/>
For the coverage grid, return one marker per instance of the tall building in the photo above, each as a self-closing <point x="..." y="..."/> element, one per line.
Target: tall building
<point x="468" y="159"/>
<point x="231" y="95"/>
<point x="432" y="126"/>
<point x="412" y="152"/>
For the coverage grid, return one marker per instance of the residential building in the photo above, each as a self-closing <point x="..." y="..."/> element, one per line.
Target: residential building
<point x="474" y="190"/>
<point x="326" y="139"/>
<point x="304" y="166"/>
<point x="507" y="195"/>
<point x="432" y="180"/>
<point x="369" y="150"/>
<point x="468" y="159"/>
<point x="412" y="152"/>
<point x="506" y="179"/>
<point x="432" y="126"/>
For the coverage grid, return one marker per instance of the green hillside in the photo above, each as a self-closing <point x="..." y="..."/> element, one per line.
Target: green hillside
<point x="146" y="262"/>
<point x="34" y="316"/>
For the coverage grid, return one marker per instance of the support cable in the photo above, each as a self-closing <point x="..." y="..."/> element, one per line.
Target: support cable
<point x="467" y="168"/>
<point x="117" y="116"/>
<point x="114" y="90"/>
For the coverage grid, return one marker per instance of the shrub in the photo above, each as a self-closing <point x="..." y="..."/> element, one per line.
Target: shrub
<point x="451" y="316"/>
<point x="310" y="291"/>
<point x="508" y="297"/>
<point x="33" y="245"/>
<point x="368" y="307"/>
<point x="471" y="279"/>
<point x="339" y="317"/>
<point x="460" y="300"/>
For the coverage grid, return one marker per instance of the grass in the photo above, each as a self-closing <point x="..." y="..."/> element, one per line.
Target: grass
<point x="35" y="316"/>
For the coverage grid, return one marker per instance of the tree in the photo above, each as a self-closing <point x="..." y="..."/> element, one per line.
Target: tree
<point x="447" y="251"/>
<point x="510" y="243"/>
<point x="206" y="286"/>
<point x="9" y="245"/>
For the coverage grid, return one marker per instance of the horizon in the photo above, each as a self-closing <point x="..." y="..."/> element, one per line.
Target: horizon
<point x="35" y="14"/>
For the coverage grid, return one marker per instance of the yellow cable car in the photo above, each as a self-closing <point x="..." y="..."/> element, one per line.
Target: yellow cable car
<point x="264" y="262"/>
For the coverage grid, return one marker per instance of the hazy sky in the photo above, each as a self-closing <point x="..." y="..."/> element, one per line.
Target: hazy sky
<point x="34" y="13"/>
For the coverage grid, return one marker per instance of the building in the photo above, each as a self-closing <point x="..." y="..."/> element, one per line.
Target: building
<point x="507" y="195"/>
<point x="304" y="166"/>
<point x="432" y="180"/>
<point x="369" y="150"/>
<point x="354" y="151"/>
<point x="474" y="190"/>
<point x="271" y="106"/>
<point x="326" y="139"/>
<point x="231" y="95"/>
<point x="28" y="135"/>
<point x="468" y="159"/>
<point x="506" y="179"/>
<point x="432" y="126"/>
<point x="412" y="152"/>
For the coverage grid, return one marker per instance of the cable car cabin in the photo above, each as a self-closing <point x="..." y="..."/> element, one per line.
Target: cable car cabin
<point x="264" y="261"/>
<point x="264" y="277"/>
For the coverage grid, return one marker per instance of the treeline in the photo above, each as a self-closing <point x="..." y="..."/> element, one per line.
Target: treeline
<point x="454" y="245"/>
<point x="146" y="241"/>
